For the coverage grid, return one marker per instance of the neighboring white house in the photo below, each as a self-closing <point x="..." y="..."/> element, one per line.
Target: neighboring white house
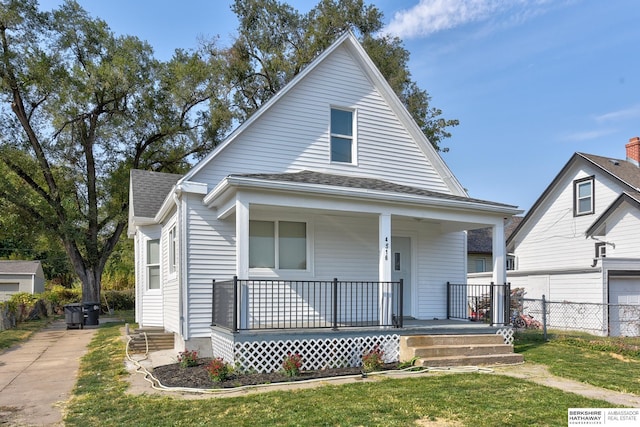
<point x="20" y="276"/>
<point x="330" y="179"/>
<point x="580" y="242"/>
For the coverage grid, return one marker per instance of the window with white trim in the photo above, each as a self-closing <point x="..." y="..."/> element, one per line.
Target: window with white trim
<point x="481" y="265"/>
<point x="153" y="264"/>
<point x="173" y="250"/>
<point x="342" y="136"/>
<point x="511" y="262"/>
<point x="280" y="245"/>
<point x="583" y="196"/>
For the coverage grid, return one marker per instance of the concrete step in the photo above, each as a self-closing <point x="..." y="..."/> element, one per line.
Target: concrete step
<point x="483" y="360"/>
<point x="461" y="350"/>
<point x="428" y="340"/>
<point x="156" y="339"/>
<point x="457" y="350"/>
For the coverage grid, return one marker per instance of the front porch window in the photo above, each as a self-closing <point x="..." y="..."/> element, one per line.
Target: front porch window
<point x="280" y="245"/>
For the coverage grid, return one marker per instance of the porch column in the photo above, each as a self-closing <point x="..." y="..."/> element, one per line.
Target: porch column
<point x="499" y="276"/>
<point x="384" y="273"/>
<point x="242" y="257"/>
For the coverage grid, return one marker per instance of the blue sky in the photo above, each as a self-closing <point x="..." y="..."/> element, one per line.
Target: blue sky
<point x="531" y="81"/>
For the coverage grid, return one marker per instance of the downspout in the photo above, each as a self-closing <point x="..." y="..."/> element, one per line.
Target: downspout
<point x="182" y="265"/>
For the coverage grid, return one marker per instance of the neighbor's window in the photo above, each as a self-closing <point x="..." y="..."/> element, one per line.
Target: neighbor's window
<point x="601" y="250"/>
<point x="480" y="265"/>
<point x="511" y="262"/>
<point x="153" y="264"/>
<point x="583" y="196"/>
<point x="173" y="250"/>
<point x="342" y="143"/>
<point x="278" y="244"/>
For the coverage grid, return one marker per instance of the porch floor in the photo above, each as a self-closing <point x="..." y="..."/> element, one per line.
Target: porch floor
<point x="410" y="327"/>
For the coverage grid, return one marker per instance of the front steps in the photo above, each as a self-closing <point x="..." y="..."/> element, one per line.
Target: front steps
<point x="156" y="339"/>
<point x="457" y="350"/>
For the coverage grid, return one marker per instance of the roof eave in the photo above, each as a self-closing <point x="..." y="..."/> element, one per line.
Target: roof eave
<point x="330" y="190"/>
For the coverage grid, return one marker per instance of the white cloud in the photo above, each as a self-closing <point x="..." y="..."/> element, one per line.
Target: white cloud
<point x="632" y="112"/>
<point x="587" y="135"/>
<point x="432" y="16"/>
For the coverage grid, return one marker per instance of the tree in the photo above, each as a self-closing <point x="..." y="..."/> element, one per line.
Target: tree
<point x="275" y="42"/>
<point x="79" y="107"/>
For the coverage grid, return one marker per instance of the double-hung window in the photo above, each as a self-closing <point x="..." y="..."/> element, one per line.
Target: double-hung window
<point x="342" y="136"/>
<point x="280" y="245"/>
<point x="583" y="196"/>
<point x="153" y="264"/>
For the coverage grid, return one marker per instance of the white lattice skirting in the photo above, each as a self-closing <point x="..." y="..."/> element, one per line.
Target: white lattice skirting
<point x="265" y="355"/>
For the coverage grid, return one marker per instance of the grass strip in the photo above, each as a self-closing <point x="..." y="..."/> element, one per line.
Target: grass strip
<point x="23" y="331"/>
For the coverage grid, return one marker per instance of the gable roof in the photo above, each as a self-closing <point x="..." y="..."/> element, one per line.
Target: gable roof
<point x="21" y="267"/>
<point x="623" y="171"/>
<point x="350" y="42"/>
<point x="480" y="241"/>
<point x="148" y="191"/>
<point x="625" y="198"/>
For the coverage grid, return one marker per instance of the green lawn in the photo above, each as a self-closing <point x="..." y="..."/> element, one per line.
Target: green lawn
<point x="473" y="399"/>
<point x="610" y="363"/>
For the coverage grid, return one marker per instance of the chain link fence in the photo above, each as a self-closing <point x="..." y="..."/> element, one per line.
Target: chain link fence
<point x="591" y="318"/>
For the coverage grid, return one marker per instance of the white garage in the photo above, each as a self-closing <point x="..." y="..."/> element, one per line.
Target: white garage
<point x="20" y="276"/>
<point x="624" y="305"/>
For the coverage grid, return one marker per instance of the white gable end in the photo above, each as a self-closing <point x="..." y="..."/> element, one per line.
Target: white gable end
<point x="554" y="238"/>
<point x="293" y="133"/>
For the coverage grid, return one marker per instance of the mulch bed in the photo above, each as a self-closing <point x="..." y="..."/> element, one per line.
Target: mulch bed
<point x="197" y="377"/>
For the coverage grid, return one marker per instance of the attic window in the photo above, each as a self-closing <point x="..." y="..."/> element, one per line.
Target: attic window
<point x="583" y="196"/>
<point x="342" y="136"/>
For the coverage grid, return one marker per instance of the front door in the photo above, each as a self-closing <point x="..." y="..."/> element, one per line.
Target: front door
<point x="401" y="269"/>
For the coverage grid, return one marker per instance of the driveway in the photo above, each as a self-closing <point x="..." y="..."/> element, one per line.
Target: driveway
<point x="37" y="377"/>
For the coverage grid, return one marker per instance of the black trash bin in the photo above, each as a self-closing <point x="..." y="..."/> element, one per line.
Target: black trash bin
<point x="74" y="316"/>
<point x="91" y="313"/>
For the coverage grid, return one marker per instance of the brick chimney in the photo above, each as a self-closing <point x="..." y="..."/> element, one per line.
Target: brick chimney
<point x="633" y="151"/>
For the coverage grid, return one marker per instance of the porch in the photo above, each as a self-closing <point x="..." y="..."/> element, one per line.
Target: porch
<point x="257" y="323"/>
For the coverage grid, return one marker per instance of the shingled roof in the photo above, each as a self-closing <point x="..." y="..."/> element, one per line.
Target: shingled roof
<point x="148" y="191"/>
<point x="310" y="177"/>
<point x="624" y="170"/>
<point x="480" y="241"/>
<point x="20" y="267"/>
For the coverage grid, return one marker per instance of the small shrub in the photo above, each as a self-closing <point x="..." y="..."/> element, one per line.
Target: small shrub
<point x="372" y="360"/>
<point x="218" y="369"/>
<point x="188" y="358"/>
<point x="292" y="364"/>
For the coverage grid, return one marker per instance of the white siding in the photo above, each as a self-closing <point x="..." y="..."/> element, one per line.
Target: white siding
<point x="623" y="230"/>
<point x="210" y="255"/>
<point x="170" y="289"/>
<point x="440" y="260"/>
<point x="150" y="305"/>
<point x="346" y="247"/>
<point x="294" y="134"/>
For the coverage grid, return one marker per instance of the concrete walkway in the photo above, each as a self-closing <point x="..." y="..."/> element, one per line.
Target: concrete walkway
<point x="37" y="376"/>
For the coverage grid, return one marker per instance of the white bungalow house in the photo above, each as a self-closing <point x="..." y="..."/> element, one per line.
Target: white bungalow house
<point x="580" y="242"/>
<point x="327" y="211"/>
<point x="20" y="276"/>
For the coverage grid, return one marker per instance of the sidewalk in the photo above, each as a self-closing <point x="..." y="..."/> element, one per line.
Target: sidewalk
<point x="37" y="376"/>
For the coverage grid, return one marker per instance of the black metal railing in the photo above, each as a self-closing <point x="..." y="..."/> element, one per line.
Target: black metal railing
<point x="305" y="304"/>
<point x="476" y="302"/>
